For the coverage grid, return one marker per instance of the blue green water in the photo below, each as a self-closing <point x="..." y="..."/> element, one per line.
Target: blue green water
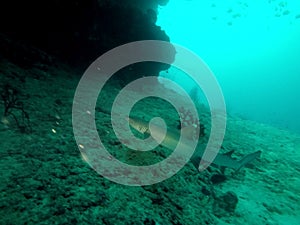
<point x="252" y="47"/>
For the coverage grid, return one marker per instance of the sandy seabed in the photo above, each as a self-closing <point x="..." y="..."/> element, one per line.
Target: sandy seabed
<point x="45" y="180"/>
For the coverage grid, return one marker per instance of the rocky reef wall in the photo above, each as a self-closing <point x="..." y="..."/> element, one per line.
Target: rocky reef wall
<point x="78" y="31"/>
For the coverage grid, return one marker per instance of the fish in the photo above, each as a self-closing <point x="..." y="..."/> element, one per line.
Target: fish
<point x="226" y="161"/>
<point x="171" y="138"/>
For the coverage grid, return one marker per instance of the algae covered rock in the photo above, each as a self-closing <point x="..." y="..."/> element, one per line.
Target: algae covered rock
<point x="225" y="204"/>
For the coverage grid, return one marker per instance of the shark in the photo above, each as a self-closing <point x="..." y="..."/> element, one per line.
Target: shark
<point x="171" y="138"/>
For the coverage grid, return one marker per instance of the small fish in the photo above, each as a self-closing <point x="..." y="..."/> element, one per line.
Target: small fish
<point x="237" y="15"/>
<point x="286" y="12"/>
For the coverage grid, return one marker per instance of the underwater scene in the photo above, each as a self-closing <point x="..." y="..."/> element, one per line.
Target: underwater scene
<point x="150" y="112"/>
